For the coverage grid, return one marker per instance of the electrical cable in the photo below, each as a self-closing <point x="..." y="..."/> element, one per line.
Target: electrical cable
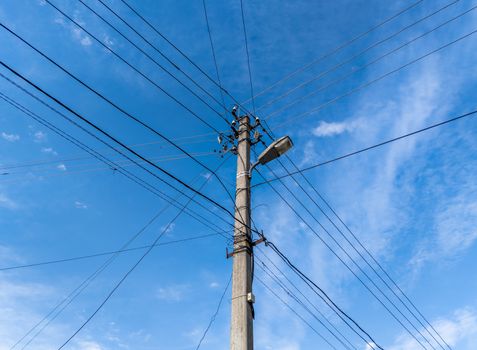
<point x="349" y="257"/>
<point x="270" y="133"/>
<point x="95" y="255"/>
<point x="152" y="59"/>
<point x="296" y="313"/>
<point x="462" y="116"/>
<point x="324" y="296"/>
<point x="214" y="316"/>
<point x="381" y="77"/>
<point x="183" y="54"/>
<point x="95" y="154"/>
<point x="122" y="59"/>
<point x="353" y="57"/>
<point x="356" y="70"/>
<point x="337" y="49"/>
<point x="293" y="285"/>
<point x="248" y="57"/>
<point x="214" y="55"/>
<point x="133" y="267"/>
<point x="292" y="295"/>
<point x="120" y="143"/>
<point x="82" y="286"/>
<point x="120" y="109"/>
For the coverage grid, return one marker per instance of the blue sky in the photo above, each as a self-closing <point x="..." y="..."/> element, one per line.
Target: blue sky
<point x="412" y="203"/>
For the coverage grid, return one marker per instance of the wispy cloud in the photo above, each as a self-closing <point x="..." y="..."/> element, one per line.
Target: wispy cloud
<point x="39" y="136"/>
<point x="173" y="293"/>
<point x="327" y="129"/>
<point x="7" y="202"/>
<point x="80" y="205"/>
<point x="10" y="137"/>
<point x="61" y="167"/>
<point x="460" y="329"/>
<point x="49" y="150"/>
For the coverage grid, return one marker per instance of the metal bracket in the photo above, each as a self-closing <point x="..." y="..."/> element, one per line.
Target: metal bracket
<point x="262" y="239"/>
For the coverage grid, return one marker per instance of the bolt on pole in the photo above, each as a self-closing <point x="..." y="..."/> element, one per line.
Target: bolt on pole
<point x="241" y="331"/>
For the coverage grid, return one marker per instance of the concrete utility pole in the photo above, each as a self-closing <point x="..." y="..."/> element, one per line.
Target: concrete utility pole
<point x="241" y="334"/>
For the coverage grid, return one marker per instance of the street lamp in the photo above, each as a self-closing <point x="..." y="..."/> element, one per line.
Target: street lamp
<point x="274" y="150"/>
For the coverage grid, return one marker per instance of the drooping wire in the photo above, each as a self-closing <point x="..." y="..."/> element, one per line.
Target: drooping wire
<point x="214" y="316"/>
<point x="248" y="57"/>
<point x="447" y="121"/>
<point x="337" y="49"/>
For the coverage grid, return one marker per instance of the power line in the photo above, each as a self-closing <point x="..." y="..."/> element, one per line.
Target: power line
<point x="125" y="276"/>
<point x="363" y="67"/>
<point x="462" y="116"/>
<point x="214" y="316"/>
<point x="116" y="166"/>
<point x="270" y="290"/>
<point x="248" y="57"/>
<point x="355" y="249"/>
<point x="353" y="57"/>
<point x="293" y="285"/>
<point x="348" y="256"/>
<point x="292" y="295"/>
<point x="85" y="283"/>
<point x="95" y="255"/>
<point x="213" y="54"/>
<point x="365" y="85"/>
<point x="87" y="166"/>
<point x="152" y="58"/>
<point x="82" y="286"/>
<point x="123" y="111"/>
<point x="324" y="296"/>
<point x="183" y="54"/>
<point x="337" y="49"/>
<point x="120" y="143"/>
<point x="122" y="59"/>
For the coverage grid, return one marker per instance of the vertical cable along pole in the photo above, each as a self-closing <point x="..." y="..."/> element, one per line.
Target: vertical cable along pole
<point x="241" y="325"/>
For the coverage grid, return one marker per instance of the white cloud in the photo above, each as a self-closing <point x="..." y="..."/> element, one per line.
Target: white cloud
<point x="39" y="136"/>
<point x="460" y="330"/>
<point x="214" y="285"/>
<point x="79" y="35"/>
<point x="206" y="176"/>
<point x="49" y="150"/>
<point x="173" y="293"/>
<point x="168" y="228"/>
<point x="81" y="205"/>
<point x="61" y="167"/>
<point x="10" y="137"/>
<point x="6" y="202"/>
<point x="89" y="345"/>
<point x="325" y="129"/>
<point x="86" y="41"/>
